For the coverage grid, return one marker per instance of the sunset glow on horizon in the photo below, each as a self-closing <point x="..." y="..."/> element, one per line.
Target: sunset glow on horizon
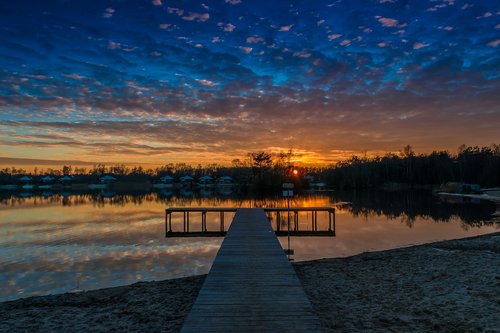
<point x="157" y="82"/>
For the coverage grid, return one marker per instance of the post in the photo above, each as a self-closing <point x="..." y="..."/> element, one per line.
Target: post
<point x="288" y="210"/>
<point x="288" y="192"/>
<point x="170" y="221"/>
<point x="222" y="221"/>
<point x="295" y="220"/>
<point x="166" y="222"/>
<point x="203" y="221"/>
<point x="334" y="227"/>
<point x="329" y="220"/>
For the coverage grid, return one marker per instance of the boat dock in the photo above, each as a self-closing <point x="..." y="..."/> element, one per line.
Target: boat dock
<point x="251" y="287"/>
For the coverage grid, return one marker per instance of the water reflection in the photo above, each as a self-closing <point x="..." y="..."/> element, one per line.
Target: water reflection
<point x="53" y="242"/>
<point x="414" y="205"/>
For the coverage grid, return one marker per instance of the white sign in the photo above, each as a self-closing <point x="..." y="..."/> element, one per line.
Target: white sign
<point x="287" y="193"/>
<point x="287" y="185"/>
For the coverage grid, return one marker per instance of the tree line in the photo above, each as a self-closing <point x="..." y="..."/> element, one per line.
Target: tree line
<point x="265" y="171"/>
<point x="473" y="165"/>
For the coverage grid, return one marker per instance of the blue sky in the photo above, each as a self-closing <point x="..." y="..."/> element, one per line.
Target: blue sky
<point x="208" y="81"/>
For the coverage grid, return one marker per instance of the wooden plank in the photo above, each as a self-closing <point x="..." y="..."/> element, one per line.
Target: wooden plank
<point x="251" y="285"/>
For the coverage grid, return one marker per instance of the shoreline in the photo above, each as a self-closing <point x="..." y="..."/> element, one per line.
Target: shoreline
<point x="451" y="285"/>
<point x="488" y="197"/>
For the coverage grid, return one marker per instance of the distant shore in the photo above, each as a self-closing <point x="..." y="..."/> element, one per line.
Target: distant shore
<point x="490" y="197"/>
<point x="446" y="286"/>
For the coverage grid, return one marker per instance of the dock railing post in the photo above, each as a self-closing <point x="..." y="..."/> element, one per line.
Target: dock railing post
<point x="222" y="221"/>
<point x="184" y="220"/>
<point x="166" y="222"/>
<point x="203" y="221"/>
<point x="334" y="227"/>
<point x="330" y="220"/>
<point x="295" y="220"/>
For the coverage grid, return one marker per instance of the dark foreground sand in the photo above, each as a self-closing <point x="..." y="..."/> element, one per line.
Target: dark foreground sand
<point x="451" y="286"/>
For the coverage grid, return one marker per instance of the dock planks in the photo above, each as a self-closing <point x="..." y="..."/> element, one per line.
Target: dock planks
<point x="251" y="286"/>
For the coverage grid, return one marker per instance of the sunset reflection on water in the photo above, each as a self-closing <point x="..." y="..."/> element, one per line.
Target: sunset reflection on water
<point x="85" y="241"/>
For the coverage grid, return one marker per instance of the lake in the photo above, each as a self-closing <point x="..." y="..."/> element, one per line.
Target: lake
<point x="60" y="242"/>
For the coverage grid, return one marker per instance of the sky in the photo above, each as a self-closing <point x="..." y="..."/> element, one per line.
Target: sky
<point x="167" y="81"/>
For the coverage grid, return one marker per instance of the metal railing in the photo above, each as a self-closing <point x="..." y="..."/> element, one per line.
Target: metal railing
<point x="274" y="214"/>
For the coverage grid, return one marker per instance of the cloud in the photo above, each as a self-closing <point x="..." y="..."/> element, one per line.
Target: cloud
<point x="255" y="39"/>
<point x="418" y="45"/>
<point x="196" y="17"/>
<point x="108" y="12"/>
<point x="388" y="22"/>
<point x="173" y="10"/>
<point x="229" y="27"/>
<point x="485" y="15"/>
<point x="74" y="76"/>
<point x="246" y="49"/>
<point x="217" y="85"/>
<point x="286" y="27"/>
<point x="233" y="2"/>
<point x="334" y="36"/>
<point x="302" y="54"/>
<point x="40" y="162"/>
<point x="156" y="2"/>
<point x="114" y="45"/>
<point x="206" y="83"/>
<point x="494" y="43"/>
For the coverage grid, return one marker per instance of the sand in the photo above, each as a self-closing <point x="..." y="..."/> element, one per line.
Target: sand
<point x="451" y="286"/>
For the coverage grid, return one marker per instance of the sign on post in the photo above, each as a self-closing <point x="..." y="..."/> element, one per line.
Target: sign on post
<point x="288" y="189"/>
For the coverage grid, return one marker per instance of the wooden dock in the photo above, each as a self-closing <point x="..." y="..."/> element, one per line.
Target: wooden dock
<point x="251" y="287"/>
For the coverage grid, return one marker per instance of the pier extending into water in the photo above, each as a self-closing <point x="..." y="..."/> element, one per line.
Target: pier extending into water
<point x="192" y="227"/>
<point x="251" y="286"/>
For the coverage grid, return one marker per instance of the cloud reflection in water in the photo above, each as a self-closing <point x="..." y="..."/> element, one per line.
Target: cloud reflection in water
<point x="47" y="247"/>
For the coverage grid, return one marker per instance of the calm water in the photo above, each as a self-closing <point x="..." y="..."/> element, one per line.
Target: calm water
<point x="65" y="242"/>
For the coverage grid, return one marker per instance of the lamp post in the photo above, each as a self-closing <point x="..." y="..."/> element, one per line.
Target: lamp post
<point x="288" y="193"/>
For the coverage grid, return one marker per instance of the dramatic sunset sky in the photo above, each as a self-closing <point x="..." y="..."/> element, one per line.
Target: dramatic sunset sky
<point x="162" y="81"/>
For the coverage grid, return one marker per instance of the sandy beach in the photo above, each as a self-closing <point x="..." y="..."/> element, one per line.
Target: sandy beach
<point x="450" y="286"/>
